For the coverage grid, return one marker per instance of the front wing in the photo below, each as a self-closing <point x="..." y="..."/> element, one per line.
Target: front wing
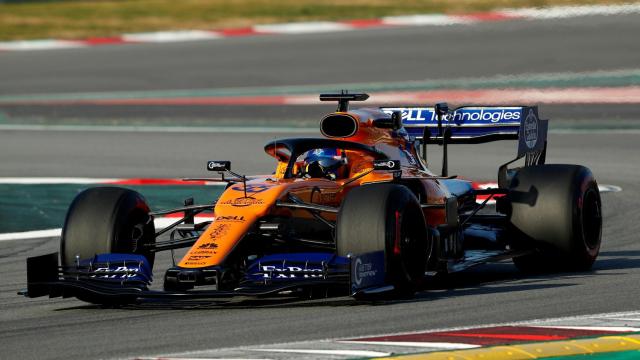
<point x="128" y="281"/>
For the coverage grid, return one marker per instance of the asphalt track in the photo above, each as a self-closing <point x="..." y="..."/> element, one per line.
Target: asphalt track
<point x="67" y="329"/>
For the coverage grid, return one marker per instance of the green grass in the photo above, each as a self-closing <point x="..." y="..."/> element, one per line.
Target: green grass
<point x="39" y="207"/>
<point x="81" y="19"/>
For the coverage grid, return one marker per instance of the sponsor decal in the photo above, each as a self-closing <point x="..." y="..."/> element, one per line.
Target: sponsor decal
<point x="230" y="218"/>
<point x="328" y="197"/>
<point x="255" y="188"/>
<point x="367" y="270"/>
<point x="206" y="250"/>
<point x="198" y="257"/>
<point x="289" y="272"/>
<point x="386" y="164"/>
<point x="489" y="115"/>
<point x="219" y="230"/>
<point x="125" y="272"/>
<point x="197" y="263"/>
<point x="530" y="130"/>
<point x="206" y="246"/>
<point x="363" y="271"/>
<point x="243" y="201"/>
<point x="209" y="245"/>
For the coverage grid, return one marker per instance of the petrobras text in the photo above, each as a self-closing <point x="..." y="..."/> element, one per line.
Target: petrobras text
<point x="460" y="116"/>
<point x="119" y="272"/>
<point x="290" y="272"/>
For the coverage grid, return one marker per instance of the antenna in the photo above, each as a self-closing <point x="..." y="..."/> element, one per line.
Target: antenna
<point x="343" y="103"/>
<point x="343" y="99"/>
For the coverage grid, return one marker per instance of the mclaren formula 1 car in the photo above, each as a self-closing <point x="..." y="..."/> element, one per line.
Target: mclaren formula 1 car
<point x="356" y="212"/>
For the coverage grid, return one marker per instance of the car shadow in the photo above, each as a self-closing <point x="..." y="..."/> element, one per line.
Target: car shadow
<point x="617" y="260"/>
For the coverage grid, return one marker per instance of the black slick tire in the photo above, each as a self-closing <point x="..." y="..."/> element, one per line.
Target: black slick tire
<point x="386" y="217"/>
<point x="557" y="209"/>
<point x="106" y="220"/>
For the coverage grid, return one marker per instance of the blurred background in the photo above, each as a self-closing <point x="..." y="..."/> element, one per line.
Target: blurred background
<point x="140" y="93"/>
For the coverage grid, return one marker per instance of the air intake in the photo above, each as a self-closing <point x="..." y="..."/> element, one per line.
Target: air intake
<point x="338" y="126"/>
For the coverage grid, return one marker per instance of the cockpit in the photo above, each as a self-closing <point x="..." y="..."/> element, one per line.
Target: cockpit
<point x="320" y="158"/>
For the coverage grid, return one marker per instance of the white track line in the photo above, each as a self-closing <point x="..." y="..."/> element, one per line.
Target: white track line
<point x="40" y="45"/>
<point x="362" y="353"/>
<point x="170" y="36"/>
<point x="164" y="129"/>
<point x="595" y="328"/>
<point x="160" y="222"/>
<point x="425" y="20"/>
<point x="30" y="234"/>
<point x="563" y="12"/>
<point x="302" y="28"/>
<point x="54" y="180"/>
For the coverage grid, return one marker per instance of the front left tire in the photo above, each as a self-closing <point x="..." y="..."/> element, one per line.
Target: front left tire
<point x="386" y="217"/>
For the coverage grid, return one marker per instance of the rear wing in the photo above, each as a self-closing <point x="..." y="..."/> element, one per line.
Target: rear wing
<point x="469" y="124"/>
<point x="480" y="124"/>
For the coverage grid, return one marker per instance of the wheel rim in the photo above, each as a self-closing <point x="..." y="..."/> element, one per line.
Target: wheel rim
<point x="591" y="219"/>
<point x="136" y="233"/>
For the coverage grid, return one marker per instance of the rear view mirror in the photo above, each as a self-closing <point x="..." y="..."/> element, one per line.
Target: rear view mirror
<point x="388" y="165"/>
<point x="215" y="165"/>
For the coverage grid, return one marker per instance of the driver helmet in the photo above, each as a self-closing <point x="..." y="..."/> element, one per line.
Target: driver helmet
<point x="327" y="162"/>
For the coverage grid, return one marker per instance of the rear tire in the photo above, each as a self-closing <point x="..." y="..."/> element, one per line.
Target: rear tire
<point x="386" y="217"/>
<point x="557" y="210"/>
<point x="107" y="220"/>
